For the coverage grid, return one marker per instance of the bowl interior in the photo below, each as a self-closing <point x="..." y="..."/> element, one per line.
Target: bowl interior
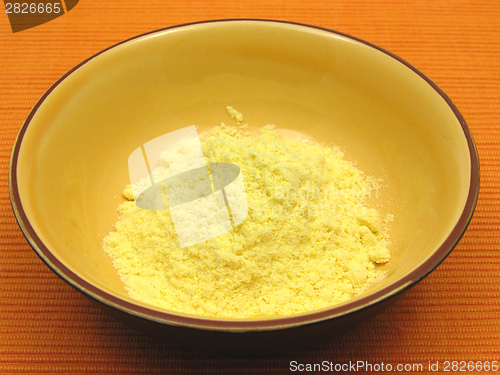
<point x="72" y="163"/>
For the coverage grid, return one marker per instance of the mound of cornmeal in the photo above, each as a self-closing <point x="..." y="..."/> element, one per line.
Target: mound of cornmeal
<point x="308" y="242"/>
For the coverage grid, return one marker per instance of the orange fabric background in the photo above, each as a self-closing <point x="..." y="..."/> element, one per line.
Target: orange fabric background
<point x="454" y="314"/>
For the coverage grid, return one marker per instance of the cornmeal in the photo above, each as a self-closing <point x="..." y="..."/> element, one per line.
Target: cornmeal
<point x="234" y="114"/>
<point x="309" y="240"/>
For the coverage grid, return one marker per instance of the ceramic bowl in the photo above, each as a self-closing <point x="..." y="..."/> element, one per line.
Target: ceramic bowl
<point x="69" y="162"/>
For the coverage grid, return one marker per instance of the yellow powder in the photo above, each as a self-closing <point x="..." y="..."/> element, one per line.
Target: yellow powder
<point x="234" y="114"/>
<point x="309" y="240"/>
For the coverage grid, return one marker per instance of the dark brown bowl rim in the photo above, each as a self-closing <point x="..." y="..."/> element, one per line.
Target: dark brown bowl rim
<point x="246" y="325"/>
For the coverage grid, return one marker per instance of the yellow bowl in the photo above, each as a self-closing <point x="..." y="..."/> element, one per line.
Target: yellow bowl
<point x="69" y="163"/>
